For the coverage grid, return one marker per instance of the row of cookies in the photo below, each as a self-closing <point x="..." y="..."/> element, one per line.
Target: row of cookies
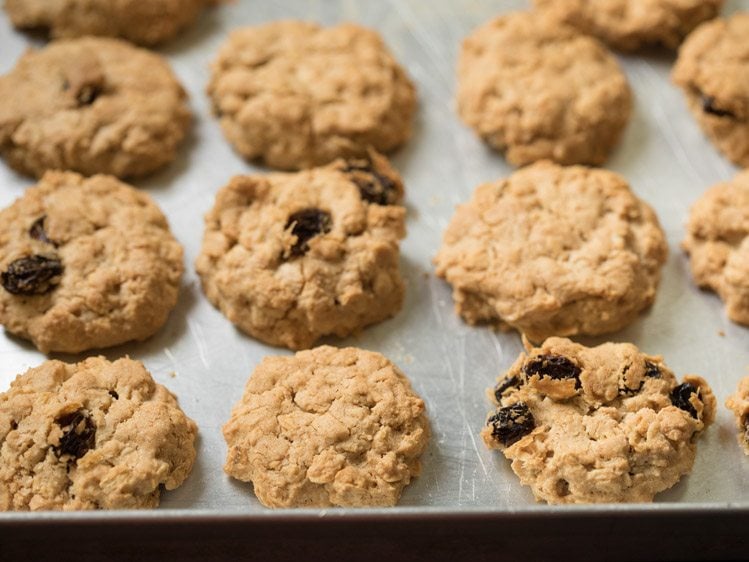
<point x="294" y="95"/>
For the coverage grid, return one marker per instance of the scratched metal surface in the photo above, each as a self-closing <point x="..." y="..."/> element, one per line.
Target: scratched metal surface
<point x="205" y="361"/>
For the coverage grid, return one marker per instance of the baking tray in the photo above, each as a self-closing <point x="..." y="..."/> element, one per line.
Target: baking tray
<point x="205" y="361"/>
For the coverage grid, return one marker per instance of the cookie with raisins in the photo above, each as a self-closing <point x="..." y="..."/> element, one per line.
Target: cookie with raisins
<point x="290" y="258"/>
<point x="327" y="427"/>
<point x="94" y="106"/>
<point x="295" y="95"/>
<point x="738" y="403"/>
<point x="553" y="251"/>
<point x="712" y="70"/>
<point x="86" y="263"/>
<point x="630" y="25"/>
<point x="536" y="89"/>
<point x="91" y="435"/>
<point x="597" y="424"/>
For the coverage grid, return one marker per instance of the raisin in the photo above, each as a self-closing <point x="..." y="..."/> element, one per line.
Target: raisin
<point x="504" y="385"/>
<point x="14" y="424"/>
<point x="307" y="224"/>
<point x="373" y="186"/>
<point x="511" y="423"/>
<point x="652" y="370"/>
<point x="746" y="428"/>
<point x="708" y="106"/>
<point x="32" y="275"/>
<point x="554" y="366"/>
<point x="113" y="394"/>
<point x="78" y="434"/>
<point x="37" y="231"/>
<point x="87" y="94"/>
<point x="680" y="398"/>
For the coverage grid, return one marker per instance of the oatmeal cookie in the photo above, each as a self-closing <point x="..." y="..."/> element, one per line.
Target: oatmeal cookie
<point x="327" y="427"/>
<point x="91" y="435"/>
<point x="597" y="424"/>
<point x="738" y="403"/>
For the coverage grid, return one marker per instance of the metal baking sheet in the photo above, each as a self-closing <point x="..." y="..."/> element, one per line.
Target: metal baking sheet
<point x="202" y="358"/>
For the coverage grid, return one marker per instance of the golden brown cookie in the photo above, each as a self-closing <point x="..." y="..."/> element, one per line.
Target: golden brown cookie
<point x="86" y="263"/>
<point x="597" y="424"/>
<point x="94" y="106"/>
<point x="297" y="95"/>
<point x="290" y="258"/>
<point x="90" y="435"/>
<point x="717" y="242"/>
<point x="553" y="250"/>
<point x="146" y="22"/>
<point x="632" y="24"/>
<point x="713" y="71"/>
<point x="536" y="89"/>
<point x="738" y="403"/>
<point x="327" y="427"/>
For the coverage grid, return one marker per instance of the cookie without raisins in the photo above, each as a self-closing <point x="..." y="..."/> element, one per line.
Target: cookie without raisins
<point x="597" y="424"/>
<point x="90" y="435"/>
<point x="290" y="258"/>
<point x="535" y="89"/>
<point x="296" y="95"/>
<point x="717" y="242"/>
<point x="94" y="106"/>
<point x="712" y="70"/>
<point x="143" y="22"/>
<point x="327" y="427"/>
<point x="86" y="263"/>
<point x="553" y="251"/>
<point x="629" y="25"/>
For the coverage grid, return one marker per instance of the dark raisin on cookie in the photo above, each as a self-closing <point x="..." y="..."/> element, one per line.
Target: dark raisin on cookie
<point x="78" y="434"/>
<point x="373" y="186"/>
<point x="511" y="423"/>
<point x="680" y="398"/>
<point x="113" y="394"/>
<point x="13" y="424"/>
<point x="305" y="225"/>
<point x="708" y="106"/>
<point x="506" y="384"/>
<point x="553" y="366"/>
<point x="37" y="231"/>
<point x="652" y="370"/>
<point x="87" y="94"/>
<point x="745" y="423"/>
<point x="32" y="275"/>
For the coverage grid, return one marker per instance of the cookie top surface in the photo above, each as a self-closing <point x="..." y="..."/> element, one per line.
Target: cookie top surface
<point x="91" y="105"/>
<point x="713" y="71"/>
<point x="631" y="24"/>
<point x="296" y="95"/>
<point x="536" y="89"/>
<point x="553" y="251"/>
<point x="145" y="23"/>
<point x="90" y="435"/>
<point x="85" y="263"/>
<point x="600" y="424"/>
<point x="290" y="258"/>
<point x="327" y="427"/>
<point x="717" y="241"/>
<point x="738" y="403"/>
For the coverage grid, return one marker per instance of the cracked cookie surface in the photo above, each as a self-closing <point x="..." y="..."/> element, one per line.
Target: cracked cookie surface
<point x="327" y="427"/>
<point x="90" y="435"/>
<point x="597" y="424"/>
<point x="553" y="250"/>
<point x="297" y="95"/>
<point x="717" y="242"/>
<point x="712" y="70"/>
<point x="290" y="258"/>
<point x="142" y="22"/>
<point x="86" y="263"/>
<point x="535" y="89"/>
<point x="92" y="105"/>
<point x="629" y="25"/>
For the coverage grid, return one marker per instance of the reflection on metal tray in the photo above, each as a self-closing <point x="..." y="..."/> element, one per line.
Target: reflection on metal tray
<point x="201" y="357"/>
